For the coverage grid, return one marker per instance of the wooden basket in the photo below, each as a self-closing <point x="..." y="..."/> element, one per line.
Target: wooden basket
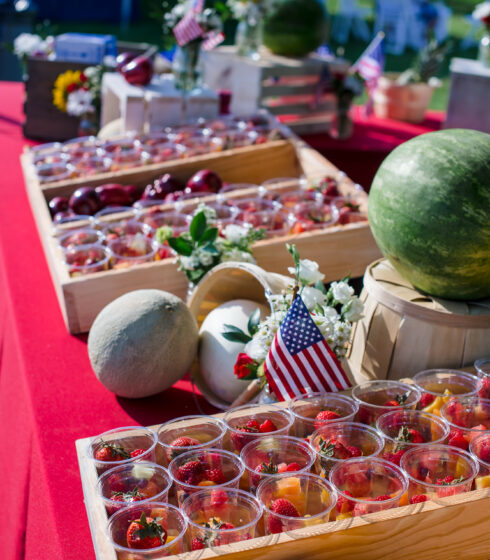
<point x="405" y="331"/>
<point x="447" y="529"/>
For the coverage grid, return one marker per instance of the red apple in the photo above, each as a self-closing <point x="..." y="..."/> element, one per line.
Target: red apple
<point x="161" y="187"/>
<point x="113" y="194"/>
<point x="58" y="204"/>
<point x="85" y="200"/>
<point x="138" y="71"/>
<point x="133" y="192"/>
<point x="123" y="59"/>
<point x="205" y="181"/>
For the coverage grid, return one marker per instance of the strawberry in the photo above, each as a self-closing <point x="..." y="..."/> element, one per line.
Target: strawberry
<point x="215" y="475"/>
<point x="484" y="392"/>
<point x="354" y="451"/>
<point x="267" y="426"/>
<point x="409" y="435"/>
<point x="358" y="483"/>
<point x="137" y="452"/>
<point x="325" y="416"/>
<point x="181" y="442"/>
<point x="446" y="481"/>
<point x="391" y="403"/>
<point x="254" y="425"/>
<point x="111" y="452"/>
<point x="146" y="532"/>
<point x="333" y="448"/>
<point x="343" y="504"/>
<point x="382" y="498"/>
<point x="264" y="468"/>
<point x="239" y="438"/>
<point x="457" y="439"/>
<point x="131" y="496"/>
<point x="399" y="400"/>
<point x="456" y="413"/>
<point x="483" y="452"/>
<point x="426" y="399"/>
<point x="419" y="498"/>
<point x="293" y="467"/>
<point x="219" y="498"/>
<point x="217" y="524"/>
<point x="190" y="473"/>
<point x="282" y="467"/>
<point x="394" y="457"/>
<point x="116" y="483"/>
<point x="280" y="506"/>
<point x="197" y="543"/>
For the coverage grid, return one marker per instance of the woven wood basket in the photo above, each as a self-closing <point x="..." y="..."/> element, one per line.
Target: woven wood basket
<point x="405" y="331"/>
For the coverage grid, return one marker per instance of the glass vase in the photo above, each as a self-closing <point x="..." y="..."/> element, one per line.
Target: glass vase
<point x="248" y="38"/>
<point x="484" y="49"/>
<point x="186" y="66"/>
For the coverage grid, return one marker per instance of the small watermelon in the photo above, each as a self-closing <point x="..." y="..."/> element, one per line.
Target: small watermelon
<point x="429" y="211"/>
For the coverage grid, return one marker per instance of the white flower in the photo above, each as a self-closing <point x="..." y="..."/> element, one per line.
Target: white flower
<point x="308" y="272"/>
<point x="189" y="263"/>
<point x="235" y="234"/>
<point x="236" y="255"/>
<point x="205" y="257"/>
<point x="342" y="332"/>
<point x="342" y="292"/>
<point x="326" y="327"/>
<point x="79" y="102"/>
<point x="90" y="72"/>
<point x="312" y="296"/>
<point x="481" y="11"/>
<point x="27" y="44"/>
<point x="330" y="314"/>
<point x="257" y="349"/>
<point x="353" y="310"/>
<point x="209" y="212"/>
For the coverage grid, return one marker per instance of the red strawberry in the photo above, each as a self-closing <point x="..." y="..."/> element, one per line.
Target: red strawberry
<point x="253" y="424"/>
<point x="280" y="506"/>
<point x="219" y="498"/>
<point x="343" y="504"/>
<point x="382" y="498"/>
<point x="264" y="468"/>
<point x="197" y="544"/>
<point x="457" y="439"/>
<point x="181" y="442"/>
<point x="391" y="403"/>
<point x="190" y="473"/>
<point x="240" y="438"/>
<point x="145" y="532"/>
<point x="137" y="452"/>
<point x="419" y="498"/>
<point x="410" y="435"/>
<point x="215" y="475"/>
<point x="456" y="413"/>
<point x="483" y="452"/>
<point x="484" y="392"/>
<point x="394" y="457"/>
<point x="426" y="399"/>
<point x="111" y="452"/>
<point x="282" y="467"/>
<point x="131" y="496"/>
<point x="116" y="483"/>
<point x="333" y="448"/>
<point x="267" y="426"/>
<point x="445" y="481"/>
<point x="354" y="451"/>
<point x="325" y="416"/>
<point x="292" y="467"/>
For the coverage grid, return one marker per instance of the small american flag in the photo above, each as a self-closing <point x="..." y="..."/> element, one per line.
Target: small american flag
<point x="300" y="361"/>
<point x="370" y="66"/>
<point x="212" y="40"/>
<point x="188" y="27"/>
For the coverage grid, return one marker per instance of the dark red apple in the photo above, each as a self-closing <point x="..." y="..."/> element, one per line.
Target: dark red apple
<point x="58" y="204"/>
<point x="133" y="192"/>
<point x="205" y="181"/>
<point x="85" y="200"/>
<point x="123" y="59"/>
<point x="161" y="187"/>
<point x="174" y="196"/>
<point x="113" y="194"/>
<point x="138" y="71"/>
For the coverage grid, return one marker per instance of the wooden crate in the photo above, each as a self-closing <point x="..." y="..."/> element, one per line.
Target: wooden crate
<point x="282" y="85"/>
<point x="340" y="250"/>
<point x="447" y="529"/>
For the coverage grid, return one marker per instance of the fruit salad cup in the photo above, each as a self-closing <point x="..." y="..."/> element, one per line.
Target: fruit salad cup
<point x="136" y="482"/>
<point x="437" y="385"/>
<point x="367" y="485"/>
<point x="313" y="215"/>
<point x="77" y="147"/>
<point x="404" y="429"/>
<point x="482" y="367"/>
<point x="126" y="227"/>
<point x="275" y="222"/>
<point x="120" y="145"/>
<point x="79" y="237"/>
<point x="87" y="259"/>
<point x="122" y="446"/>
<point x="92" y="165"/>
<point x="295" y="501"/>
<point x="377" y="397"/>
<point x="349" y="210"/>
<point x="131" y="250"/>
<point x="467" y="417"/>
<point x="480" y="449"/>
<point x="188" y="433"/>
<point x="247" y="207"/>
<point x="197" y="146"/>
<point x="273" y="455"/>
<point x="179" y="222"/>
<point x="249" y="422"/>
<point x="218" y="517"/>
<point x="158" y="153"/>
<point x="194" y="470"/>
<point x="126" y="159"/>
<point x="438" y="471"/>
<point x="312" y="412"/>
<point x="291" y="199"/>
<point x="52" y="172"/>
<point x="147" y="532"/>
<point x="337" y="441"/>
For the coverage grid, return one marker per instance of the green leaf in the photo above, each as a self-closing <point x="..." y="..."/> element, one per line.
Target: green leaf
<point x="181" y="246"/>
<point x="253" y="321"/>
<point x="211" y="249"/>
<point x="292" y="249"/>
<point x="198" y="226"/>
<point x="234" y="334"/>
<point x="209" y="236"/>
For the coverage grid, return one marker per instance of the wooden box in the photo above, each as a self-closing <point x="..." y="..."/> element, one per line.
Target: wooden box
<point x="447" y="529"/>
<point x="340" y="250"/>
<point x="282" y="85"/>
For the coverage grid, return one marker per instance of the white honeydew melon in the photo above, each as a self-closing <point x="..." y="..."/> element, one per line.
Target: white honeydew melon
<point x="217" y="356"/>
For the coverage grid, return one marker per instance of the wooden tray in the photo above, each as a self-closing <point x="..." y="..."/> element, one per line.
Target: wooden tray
<point x="451" y="528"/>
<point x="340" y="250"/>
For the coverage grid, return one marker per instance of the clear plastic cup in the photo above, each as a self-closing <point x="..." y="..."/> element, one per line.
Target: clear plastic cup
<point x="77" y="147"/>
<point x="188" y="433"/>
<point x="52" y="172"/>
<point x="169" y="517"/>
<point x="126" y="159"/>
<point x="313" y="215"/>
<point x="467" y="417"/>
<point x="276" y="420"/>
<point x="367" y="485"/>
<point x="338" y="441"/>
<point x="250" y="205"/>
<point x="197" y="146"/>
<point x="236" y="138"/>
<point x="480" y="450"/>
<point x="152" y="139"/>
<point x="208" y="468"/>
<point x="291" y="198"/>
<point x="272" y="455"/>
<point x="120" y="145"/>
<point x="85" y="236"/>
<point x="437" y="385"/>
<point x="310" y="496"/>
<point x="126" y="227"/>
<point x="132" y="250"/>
<point x="311" y="412"/>
<point x="220" y="517"/>
<point x="482" y="367"/>
<point x="374" y="398"/>
<point x="275" y="223"/>
<point x="87" y="259"/>
<point x="85" y="167"/>
<point x="49" y="158"/>
<point x="158" y="153"/>
<point x="75" y="221"/>
<point x="137" y="482"/>
<point x="176" y="220"/>
<point x="404" y="429"/>
<point x="122" y="446"/>
<point x="438" y="471"/>
<point x="110" y="214"/>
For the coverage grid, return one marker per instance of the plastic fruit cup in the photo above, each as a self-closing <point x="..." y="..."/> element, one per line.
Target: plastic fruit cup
<point x="275" y="454"/>
<point x="291" y="198"/>
<point x="396" y="428"/>
<point x="314" y="214"/>
<point x="312" y="496"/>
<point x="137" y="482"/>
<point x="214" y="468"/>
<point x="125" y="144"/>
<point x="437" y="385"/>
<point x="131" y="250"/>
<point x="51" y="172"/>
<point x="480" y="449"/>
<point x="367" y="485"/>
<point x="78" y="237"/>
<point x="274" y="222"/>
<point x="305" y="410"/>
<point x="482" y="367"/>
<point x="373" y="398"/>
<point x="79" y="143"/>
<point x="251" y="205"/>
<point x="206" y="431"/>
<point x="126" y="159"/>
<point x="195" y="146"/>
<point x="467" y="417"/>
<point x="177" y="221"/>
<point x="69" y="223"/>
<point x="157" y="153"/>
<point x="208" y="509"/>
<point x="236" y="420"/>
<point x="125" y="445"/>
<point x="221" y="211"/>
<point x="151" y="139"/>
<point x="356" y="440"/>
<point x="87" y="259"/>
<point x="126" y="227"/>
<point x="438" y="471"/>
<point x="171" y="519"/>
<point x="91" y="165"/>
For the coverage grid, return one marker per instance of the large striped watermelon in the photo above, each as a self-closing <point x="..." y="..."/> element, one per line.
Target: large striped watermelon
<point x="429" y="211"/>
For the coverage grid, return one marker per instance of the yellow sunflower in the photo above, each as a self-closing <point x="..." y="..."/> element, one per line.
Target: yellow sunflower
<point x="69" y="80"/>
